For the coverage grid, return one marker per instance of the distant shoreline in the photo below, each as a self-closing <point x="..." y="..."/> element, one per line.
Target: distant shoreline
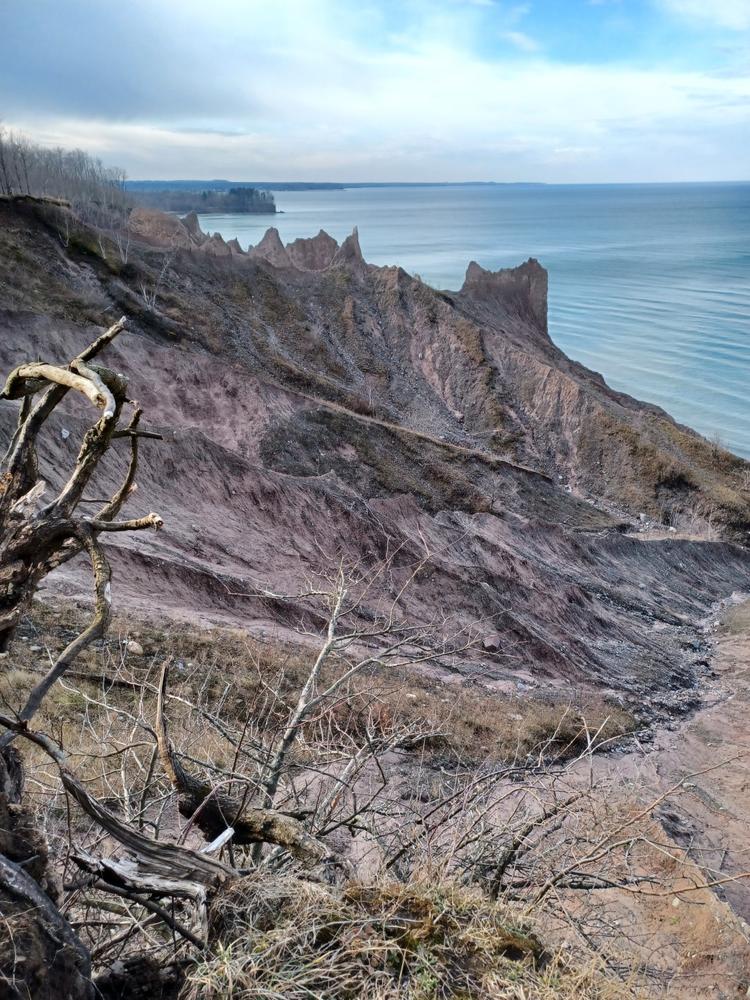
<point x="223" y="185"/>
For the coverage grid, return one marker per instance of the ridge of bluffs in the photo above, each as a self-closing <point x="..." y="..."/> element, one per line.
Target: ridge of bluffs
<point x="318" y="408"/>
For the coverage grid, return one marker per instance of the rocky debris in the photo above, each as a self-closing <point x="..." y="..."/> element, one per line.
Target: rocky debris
<point x="271" y="249"/>
<point x="310" y="415"/>
<point x="159" y="229"/>
<point x="313" y="254"/>
<point x="191" y="223"/>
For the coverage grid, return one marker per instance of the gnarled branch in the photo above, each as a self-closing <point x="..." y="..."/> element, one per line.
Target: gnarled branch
<point x="212" y="812"/>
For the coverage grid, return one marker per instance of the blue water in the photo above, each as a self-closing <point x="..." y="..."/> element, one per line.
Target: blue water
<point x="649" y="284"/>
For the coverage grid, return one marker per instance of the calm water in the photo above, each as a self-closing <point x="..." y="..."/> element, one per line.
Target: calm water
<point x="649" y="284"/>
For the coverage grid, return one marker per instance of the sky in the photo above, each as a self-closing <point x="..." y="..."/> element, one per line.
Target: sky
<point x="557" y="91"/>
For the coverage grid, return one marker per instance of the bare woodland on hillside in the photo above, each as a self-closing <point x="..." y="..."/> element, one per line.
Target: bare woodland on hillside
<point x="95" y="192"/>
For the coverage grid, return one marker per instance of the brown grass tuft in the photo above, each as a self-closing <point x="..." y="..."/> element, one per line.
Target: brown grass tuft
<point x="422" y="941"/>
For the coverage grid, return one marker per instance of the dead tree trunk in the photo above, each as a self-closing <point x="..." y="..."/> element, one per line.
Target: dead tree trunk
<point x="40" y="955"/>
<point x="36" y="536"/>
<point x="215" y="813"/>
<point x="46" y="958"/>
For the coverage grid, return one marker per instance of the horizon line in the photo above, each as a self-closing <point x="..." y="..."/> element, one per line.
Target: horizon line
<point x="443" y="183"/>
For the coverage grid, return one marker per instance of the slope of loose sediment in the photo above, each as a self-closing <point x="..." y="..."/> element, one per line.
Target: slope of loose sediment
<point x="318" y="408"/>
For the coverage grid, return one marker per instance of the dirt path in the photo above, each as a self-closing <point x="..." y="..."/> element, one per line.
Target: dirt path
<point x="712" y="814"/>
<point x="710" y="754"/>
<point x="702" y="936"/>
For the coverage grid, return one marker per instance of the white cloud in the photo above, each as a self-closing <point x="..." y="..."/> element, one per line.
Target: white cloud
<point x="437" y="113"/>
<point x="521" y="41"/>
<point x="732" y="14"/>
<point x="323" y="91"/>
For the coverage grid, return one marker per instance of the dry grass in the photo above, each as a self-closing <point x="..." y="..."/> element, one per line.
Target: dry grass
<point x="469" y="722"/>
<point x="422" y="941"/>
<point x="687" y="474"/>
<point x="275" y="934"/>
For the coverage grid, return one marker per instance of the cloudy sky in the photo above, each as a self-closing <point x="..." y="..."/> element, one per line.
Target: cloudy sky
<point x="545" y="90"/>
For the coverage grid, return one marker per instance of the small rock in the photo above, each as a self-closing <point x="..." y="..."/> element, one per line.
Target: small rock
<point x="3" y="656"/>
<point x="133" y="647"/>
<point x="35" y="649"/>
<point x="642" y="518"/>
<point x="65" y="433"/>
<point x="675" y="902"/>
<point x="672" y="529"/>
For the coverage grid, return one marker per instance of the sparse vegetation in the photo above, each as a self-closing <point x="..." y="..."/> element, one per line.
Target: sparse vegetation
<point x="467" y="722"/>
<point x="432" y="938"/>
<point x="299" y="763"/>
<point x="95" y="192"/>
<point x="421" y="941"/>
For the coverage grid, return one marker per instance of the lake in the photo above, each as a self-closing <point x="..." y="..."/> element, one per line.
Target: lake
<point x="649" y="284"/>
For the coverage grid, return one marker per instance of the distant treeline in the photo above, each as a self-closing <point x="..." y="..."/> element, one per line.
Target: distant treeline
<point x="137" y="187"/>
<point x="235" y="199"/>
<point x="95" y="192"/>
<point x="222" y="185"/>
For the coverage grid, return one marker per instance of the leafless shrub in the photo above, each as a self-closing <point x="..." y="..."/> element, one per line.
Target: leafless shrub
<point x="149" y="293"/>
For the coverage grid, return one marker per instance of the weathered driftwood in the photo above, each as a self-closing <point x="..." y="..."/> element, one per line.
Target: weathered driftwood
<point x="213" y="811"/>
<point x="36" y="538"/>
<point x="56" y="954"/>
<point x="153" y="868"/>
<point x="29" y="908"/>
<point x="157" y="858"/>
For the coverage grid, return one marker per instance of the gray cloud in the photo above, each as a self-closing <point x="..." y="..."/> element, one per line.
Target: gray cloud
<point x="331" y="90"/>
<point x="118" y="61"/>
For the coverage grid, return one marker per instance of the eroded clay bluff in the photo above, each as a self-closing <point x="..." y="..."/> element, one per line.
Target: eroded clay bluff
<point x="316" y="407"/>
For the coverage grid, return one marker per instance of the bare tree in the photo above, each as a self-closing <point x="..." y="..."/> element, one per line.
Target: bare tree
<point x="38" y="536"/>
<point x="96" y="193"/>
<point x="151" y="292"/>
